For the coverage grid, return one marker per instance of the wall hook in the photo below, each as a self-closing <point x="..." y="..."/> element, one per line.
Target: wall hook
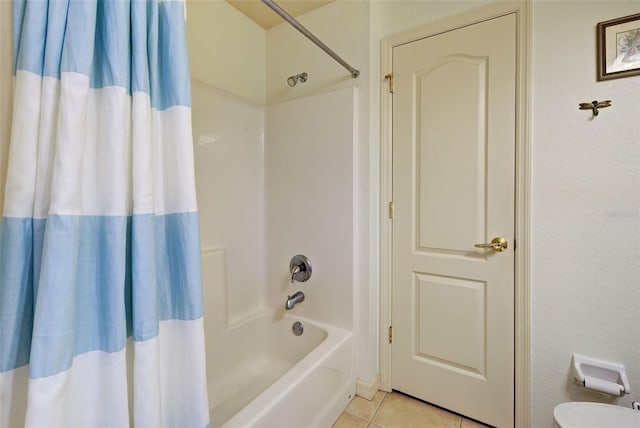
<point x="594" y="106"/>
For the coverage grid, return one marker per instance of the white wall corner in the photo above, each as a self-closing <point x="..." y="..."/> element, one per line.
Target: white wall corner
<point x="368" y="390"/>
<point x="215" y="30"/>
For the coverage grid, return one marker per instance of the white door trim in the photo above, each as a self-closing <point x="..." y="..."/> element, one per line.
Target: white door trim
<point x="523" y="188"/>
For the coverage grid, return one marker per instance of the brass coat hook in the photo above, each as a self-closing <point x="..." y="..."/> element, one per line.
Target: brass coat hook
<point x="594" y="106"/>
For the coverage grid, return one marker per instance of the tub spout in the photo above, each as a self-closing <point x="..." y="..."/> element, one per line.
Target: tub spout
<point x="293" y="300"/>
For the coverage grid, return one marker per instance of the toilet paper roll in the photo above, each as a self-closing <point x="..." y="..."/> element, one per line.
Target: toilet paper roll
<point x="601" y="385"/>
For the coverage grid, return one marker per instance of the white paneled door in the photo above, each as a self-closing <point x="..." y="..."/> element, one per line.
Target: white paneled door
<point x="453" y="187"/>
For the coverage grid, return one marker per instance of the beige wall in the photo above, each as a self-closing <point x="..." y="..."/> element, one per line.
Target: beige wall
<point x="6" y="91"/>
<point x="395" y="16"/>
<point x="586" y="207"/>
<point x="343" y="26"/>
<point x="226" y="49"/>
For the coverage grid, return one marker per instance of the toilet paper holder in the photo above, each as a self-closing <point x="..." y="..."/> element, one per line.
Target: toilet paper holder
<point x="602" y="376"/>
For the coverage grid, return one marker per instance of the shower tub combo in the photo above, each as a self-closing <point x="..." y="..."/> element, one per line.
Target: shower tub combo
<point x="260" y="372"/>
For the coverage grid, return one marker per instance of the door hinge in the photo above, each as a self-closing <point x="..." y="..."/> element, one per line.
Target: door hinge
<point x="390" y="334"/>
<point x="391" y="82"/>
<point x="391" y="209"/>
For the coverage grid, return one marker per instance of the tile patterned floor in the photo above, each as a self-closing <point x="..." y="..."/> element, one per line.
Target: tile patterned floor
<point x="395" y="410"/>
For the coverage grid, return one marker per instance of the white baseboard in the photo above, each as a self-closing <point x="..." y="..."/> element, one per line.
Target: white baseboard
<point x="368" y="390"/>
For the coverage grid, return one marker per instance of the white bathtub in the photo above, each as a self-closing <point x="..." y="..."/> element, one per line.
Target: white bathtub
<point x="262" y="375"/>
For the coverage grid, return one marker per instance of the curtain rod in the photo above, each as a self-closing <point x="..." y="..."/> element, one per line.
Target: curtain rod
<point x="291" y="20"/>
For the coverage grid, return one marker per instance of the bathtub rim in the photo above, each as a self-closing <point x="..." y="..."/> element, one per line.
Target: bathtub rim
<point x="262" y="404"/>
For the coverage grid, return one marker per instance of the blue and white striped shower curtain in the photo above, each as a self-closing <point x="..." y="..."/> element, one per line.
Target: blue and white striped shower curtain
<point x="99" y="237"/>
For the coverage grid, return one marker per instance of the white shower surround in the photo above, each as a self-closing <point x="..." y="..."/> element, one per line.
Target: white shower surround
<point x="274" y="182"/>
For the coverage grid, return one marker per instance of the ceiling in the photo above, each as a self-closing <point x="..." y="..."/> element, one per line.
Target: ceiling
<point x="266" y="18"/>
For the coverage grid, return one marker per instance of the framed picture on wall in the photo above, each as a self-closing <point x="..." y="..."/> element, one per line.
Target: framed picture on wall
<point x="619" y="47"/>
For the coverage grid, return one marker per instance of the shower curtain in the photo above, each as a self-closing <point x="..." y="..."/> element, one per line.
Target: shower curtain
<point x="100" y="286"/>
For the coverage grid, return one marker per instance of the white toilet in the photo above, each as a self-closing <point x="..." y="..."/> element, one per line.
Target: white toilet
<point x="595" y="415"/>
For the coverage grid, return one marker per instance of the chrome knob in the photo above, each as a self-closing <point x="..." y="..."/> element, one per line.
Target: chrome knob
<point x="300" y="268"/>
<point x="498" y="244"/>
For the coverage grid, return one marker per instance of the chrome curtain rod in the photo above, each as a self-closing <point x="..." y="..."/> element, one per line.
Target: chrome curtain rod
<point x="291" y="20"/>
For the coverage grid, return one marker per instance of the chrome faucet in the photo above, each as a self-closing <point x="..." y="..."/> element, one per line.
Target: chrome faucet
<point x="293" y="300"/>
<point x="300" y="268"/>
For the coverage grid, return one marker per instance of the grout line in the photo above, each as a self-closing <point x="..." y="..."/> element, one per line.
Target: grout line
<point x="373" y="415"/>
<point x="358" y="417"/>
<point x="352" y="415"/>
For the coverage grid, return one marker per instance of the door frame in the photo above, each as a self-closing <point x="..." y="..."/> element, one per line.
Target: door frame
<point x="523" y="187"/>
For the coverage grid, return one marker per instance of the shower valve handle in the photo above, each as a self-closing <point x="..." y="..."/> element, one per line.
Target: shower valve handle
<point x="300" y="268"/>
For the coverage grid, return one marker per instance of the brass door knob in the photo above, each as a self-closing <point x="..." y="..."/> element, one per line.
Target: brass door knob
<point x="497" y="244"/>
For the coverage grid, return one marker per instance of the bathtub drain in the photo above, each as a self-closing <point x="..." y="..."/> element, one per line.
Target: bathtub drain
<point x="297" y="328"/>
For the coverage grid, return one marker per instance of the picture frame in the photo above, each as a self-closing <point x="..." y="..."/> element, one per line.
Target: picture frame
<point x="618" y="43"/>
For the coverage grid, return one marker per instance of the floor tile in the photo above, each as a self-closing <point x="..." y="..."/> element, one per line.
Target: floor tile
<point x="364" y="408"/>
<point x="347" y="420"/>
<point x="467" y="423"/>
<point x="398" y="410"/>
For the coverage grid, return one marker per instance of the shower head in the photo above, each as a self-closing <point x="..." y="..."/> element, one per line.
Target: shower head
<point x="293" y="80"/>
